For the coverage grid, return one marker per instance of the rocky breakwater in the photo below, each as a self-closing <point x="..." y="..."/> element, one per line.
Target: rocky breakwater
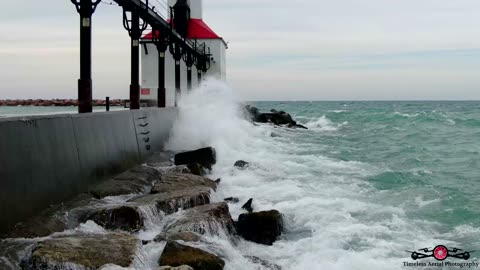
<point x="56" y="102"/>
<point x="278" y="118"/>
<point x="103" y="227"/>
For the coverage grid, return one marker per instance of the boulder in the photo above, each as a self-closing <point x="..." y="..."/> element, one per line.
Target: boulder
<point x="197" y="169"/>
<point x="262" y="118"/>
<point x="184" y="236"/>
<point x="204" y="156"/>
<point x="260" y="227"/>
<point x="178" y="191"/>
<point x="248" y="205"/>
<point x="134" y="180"/>
<point x="176" y="254"/>
<point x="176" y="169"/>
<point x="84" y="251"/>
<point x="177" y="181"/>
<point x="232" y="200"/>
<point x="280" y="117"/>
<point x="264" y="263"/>
<point x="127" y="218"/>
<point x="241" y="164"/>
<point x="53" y="219"/>
<point x="210" y="218"/>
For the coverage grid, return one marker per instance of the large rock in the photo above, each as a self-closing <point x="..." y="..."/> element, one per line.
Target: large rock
<point x="260" y="227"/>
<point x="134" y="180"/>
<point x="241" y="164"/>
<point x="56" y="218"/>
<point x="210" y="218"/>
<point x="280" y="117"/>
<point x="197" y="169"/>
<point x="178" y="191"/>
<point x="176" y="236"/>
<point x="177" y="181"/>
<point x="84" y="251"/>
<point x="204" y="156"/>
<point x="176" y="254"/>
<point x="127" y="218"/>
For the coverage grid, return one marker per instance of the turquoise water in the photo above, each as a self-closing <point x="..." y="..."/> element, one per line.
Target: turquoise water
<point x="366" y="182"/>
<point x="429" y="152"/>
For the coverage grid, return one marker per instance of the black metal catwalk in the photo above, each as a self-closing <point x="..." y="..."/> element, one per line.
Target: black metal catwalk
<point x="141" y="16"/>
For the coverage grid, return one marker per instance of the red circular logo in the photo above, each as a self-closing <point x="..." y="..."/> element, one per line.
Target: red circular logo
<point x="440" y="253"/>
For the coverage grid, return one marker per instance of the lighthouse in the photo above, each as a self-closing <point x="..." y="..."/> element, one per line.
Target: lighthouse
<point x="187" y="21"/>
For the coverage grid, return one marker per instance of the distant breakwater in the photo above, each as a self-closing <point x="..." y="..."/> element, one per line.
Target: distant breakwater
<point x="56" y="102"/>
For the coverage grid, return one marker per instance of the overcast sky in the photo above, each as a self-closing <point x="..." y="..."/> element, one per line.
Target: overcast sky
<point x="278" y="49"/>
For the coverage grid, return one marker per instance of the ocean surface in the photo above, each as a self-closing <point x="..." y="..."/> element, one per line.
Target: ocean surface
<point x="366" y="182"/>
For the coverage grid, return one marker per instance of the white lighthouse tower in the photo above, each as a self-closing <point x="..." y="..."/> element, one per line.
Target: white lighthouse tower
<point x="197" y="29"/>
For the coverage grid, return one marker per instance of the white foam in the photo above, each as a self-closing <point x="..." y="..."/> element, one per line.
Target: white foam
<point x="334" y="218"/>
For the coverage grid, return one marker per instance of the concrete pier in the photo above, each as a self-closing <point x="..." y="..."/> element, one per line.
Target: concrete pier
<point x="47" y="159"/>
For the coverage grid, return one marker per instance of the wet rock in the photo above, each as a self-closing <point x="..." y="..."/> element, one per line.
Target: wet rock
<point x="183" y="267"/>
<point x="300" y="126"/>
<point x="176" y="254"/>
<point x="264" y="263"/>
<point x="210" y="218"/>
<point x="262" y="118"/>
<point x="87" y="251"/>
<point x="260" y="227"/>
<point x="197" y="169"/>
<point x="132" y="181"/>
<point x="204" y="156"/>
<point x="165" y="157"/>
<point x="53" y="219"/>
<point x="178" y="191"/>
<point x="177" y="181"/>
<point x="280" y="117"/>
<point x="232" y="200"/>
<point x="184" y="236"/>
<point x="176" y="169"/>
<point x="218" y="181"/>
<point x="248" y="205"/>
<point x="171" y="202"/>
<point x="113" y="187"/>
<point x="127" y="218"/>
<point x="241" y="164"/>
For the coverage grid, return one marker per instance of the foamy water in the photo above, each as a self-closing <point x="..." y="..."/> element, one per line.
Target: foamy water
<point x="335" y="217"/>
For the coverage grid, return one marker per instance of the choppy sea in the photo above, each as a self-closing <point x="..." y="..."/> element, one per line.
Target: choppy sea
<point x="365" y="183"/>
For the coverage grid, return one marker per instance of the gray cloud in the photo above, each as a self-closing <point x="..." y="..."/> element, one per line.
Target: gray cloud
<point x="304" y="49"/>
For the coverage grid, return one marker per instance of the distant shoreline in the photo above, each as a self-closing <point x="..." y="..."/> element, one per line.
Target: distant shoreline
<point x="56" y="102"/>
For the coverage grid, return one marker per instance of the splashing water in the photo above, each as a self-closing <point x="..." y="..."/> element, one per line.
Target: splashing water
<point x="342" y="211"/>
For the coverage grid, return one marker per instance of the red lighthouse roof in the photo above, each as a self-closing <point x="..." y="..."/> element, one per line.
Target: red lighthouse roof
<point x="196" y="29"/>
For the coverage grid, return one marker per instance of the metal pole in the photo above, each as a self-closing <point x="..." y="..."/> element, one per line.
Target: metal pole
<point x="135" y="62"/>
<point x="189" y="78"/>
<point x="199" y="76"/>
<point x="177" y="57"/>
<point x="107" y="103"/>
<point x="85" y="8"/>
<point x="161" y="80"/>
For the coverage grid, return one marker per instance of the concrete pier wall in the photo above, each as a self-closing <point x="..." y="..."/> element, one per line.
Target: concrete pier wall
<point x="47" y="159"/>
